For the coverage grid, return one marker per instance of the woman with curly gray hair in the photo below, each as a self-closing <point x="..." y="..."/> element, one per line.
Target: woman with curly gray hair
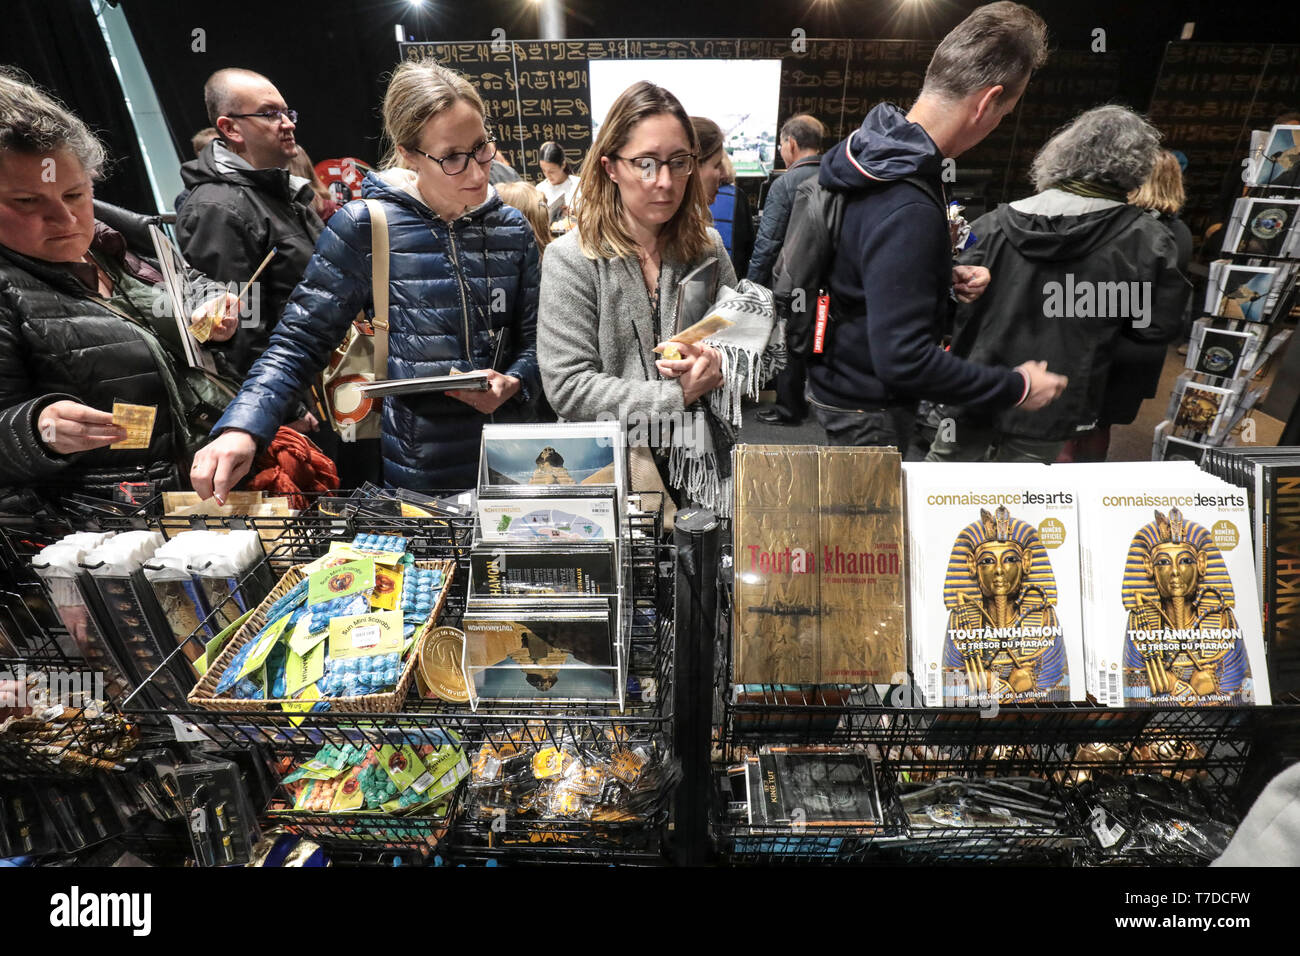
<point x="77" y="323"/>
<point x="1076" y="273"/>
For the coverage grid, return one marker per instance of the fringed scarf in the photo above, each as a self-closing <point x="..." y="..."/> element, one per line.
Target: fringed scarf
<point x="753" y="350"/>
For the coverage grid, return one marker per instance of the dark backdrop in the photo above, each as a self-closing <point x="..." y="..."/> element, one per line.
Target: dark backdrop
<point x="328" y="57"/>
<point x="58" y="44"/>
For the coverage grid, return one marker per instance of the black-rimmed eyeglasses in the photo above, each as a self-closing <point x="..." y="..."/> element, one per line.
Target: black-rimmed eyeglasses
<point x="275" y="116"/>
<point x="453" y="164"/>
<point x="679" y="166"/>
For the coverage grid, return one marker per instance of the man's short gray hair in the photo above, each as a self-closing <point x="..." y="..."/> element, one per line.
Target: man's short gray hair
<point x="999" y="44"/>
<point x="1110" y="145"/>
<point x="33" y="122"/>
<point x="217" y="98"/>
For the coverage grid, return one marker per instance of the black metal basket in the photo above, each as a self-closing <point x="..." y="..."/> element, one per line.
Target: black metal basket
<point x="1231" y="752"/>
<point x="361" y="838"/>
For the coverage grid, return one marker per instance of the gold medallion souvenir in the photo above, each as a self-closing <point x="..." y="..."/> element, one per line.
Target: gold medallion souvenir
<point x="440" y="664"/>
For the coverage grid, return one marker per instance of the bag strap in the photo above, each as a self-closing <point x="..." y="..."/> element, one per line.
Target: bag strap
<point x="379" y="283"/>
<point x="927" y="187"/>
<point x="190" y="442"/>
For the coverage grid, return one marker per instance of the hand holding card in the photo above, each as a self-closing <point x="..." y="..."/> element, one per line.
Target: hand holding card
<point x="68" y="427"/>
<point x="138" y="421"/>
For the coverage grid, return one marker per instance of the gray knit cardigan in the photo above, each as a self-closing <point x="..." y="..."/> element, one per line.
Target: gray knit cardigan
<point x="596" y="330"/>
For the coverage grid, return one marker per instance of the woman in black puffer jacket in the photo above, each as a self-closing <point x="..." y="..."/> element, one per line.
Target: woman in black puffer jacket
<point x="75" y="306"/>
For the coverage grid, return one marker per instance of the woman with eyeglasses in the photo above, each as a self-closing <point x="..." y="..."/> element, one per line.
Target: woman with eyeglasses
<point x="609" y="288"/>
<point x="463" y="296"/>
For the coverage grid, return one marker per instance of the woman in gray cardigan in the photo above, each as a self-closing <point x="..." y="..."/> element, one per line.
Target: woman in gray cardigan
<point x="609" y="288"/>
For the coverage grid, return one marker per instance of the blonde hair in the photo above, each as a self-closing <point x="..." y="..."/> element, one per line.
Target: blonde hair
<point x="529" y="200"/>
<point x="1163" y="190"/>
<point x="602" y="232"/>
<point x="417" y="91"/>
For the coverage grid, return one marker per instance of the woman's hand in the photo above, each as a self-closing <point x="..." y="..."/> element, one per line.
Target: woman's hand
<point x="69" y="427"/>
<point x="221" y="463"/>
<point x="225" y="309"/>
<point x="500" y="389"/>
<point x="699" y="370"/>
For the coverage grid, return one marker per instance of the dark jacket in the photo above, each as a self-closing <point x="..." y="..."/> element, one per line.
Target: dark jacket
<point x="731" y="217"/>
<point x="57" y="343"/>
<point x="457" y="292"/>
<point x="1063" y="290"/>
<point x="891" y="280"/>
<point x="776" y="216"/>
<point x="230" y="220"/>
<point x="1137" y="367"/>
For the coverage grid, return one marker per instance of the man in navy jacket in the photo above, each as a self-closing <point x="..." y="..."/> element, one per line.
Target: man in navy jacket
<point x="891" y="280"/>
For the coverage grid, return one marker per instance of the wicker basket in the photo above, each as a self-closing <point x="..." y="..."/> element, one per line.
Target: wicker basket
<point x="203" y="694"/>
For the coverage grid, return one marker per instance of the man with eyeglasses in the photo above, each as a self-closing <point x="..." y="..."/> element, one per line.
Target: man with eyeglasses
<point x="243" y="203"/>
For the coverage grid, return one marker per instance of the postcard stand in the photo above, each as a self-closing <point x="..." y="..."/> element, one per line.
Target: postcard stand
<point x="551" y="487"/>
<point x="1250" y="294"/>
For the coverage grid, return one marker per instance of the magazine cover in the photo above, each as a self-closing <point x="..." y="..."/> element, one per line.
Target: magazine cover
<point x="1279" y="165"/>
<point x="1197" y="410"/>
<point x="574" y="453"/>
<point x="509" y="570"/>
<point x="1242" y="292"/>
<point x="548" y="520"/>
<point x="553" y="653"/>
<point x="1266" y="227"/>
<point x="1172" y="615"/>
<point x="994" y="579"/>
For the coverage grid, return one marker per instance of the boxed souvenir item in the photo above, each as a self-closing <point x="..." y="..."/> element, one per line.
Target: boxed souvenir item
<point x="561" y="648"/>
<point x="511" y="570"/>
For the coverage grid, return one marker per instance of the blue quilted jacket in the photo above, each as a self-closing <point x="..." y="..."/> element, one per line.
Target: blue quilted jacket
<point x="458" y="292"/>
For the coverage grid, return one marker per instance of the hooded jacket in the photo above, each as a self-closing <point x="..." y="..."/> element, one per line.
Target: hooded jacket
<point x="459" y="293"/>
<point x="1071" y="279"/>
<point x="891" y="279"/>
<point x="233" y="216"/>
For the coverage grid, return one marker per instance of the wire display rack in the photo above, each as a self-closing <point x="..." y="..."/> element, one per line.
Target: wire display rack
<point x="1227" y="754"/>
<point x="364" y="837"/>
<point x="42" y="670"/>
<point x="365" y="834"/>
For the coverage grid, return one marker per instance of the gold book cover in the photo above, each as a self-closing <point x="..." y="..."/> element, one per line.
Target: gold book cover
<point x="863" y="614"/>
<point x="775" y="625"/>
<point x="818" y="565"/>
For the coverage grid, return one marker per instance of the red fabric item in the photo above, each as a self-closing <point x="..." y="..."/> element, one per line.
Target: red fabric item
<point x="1090" y="446"/>
<point x="292" y="465"/>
